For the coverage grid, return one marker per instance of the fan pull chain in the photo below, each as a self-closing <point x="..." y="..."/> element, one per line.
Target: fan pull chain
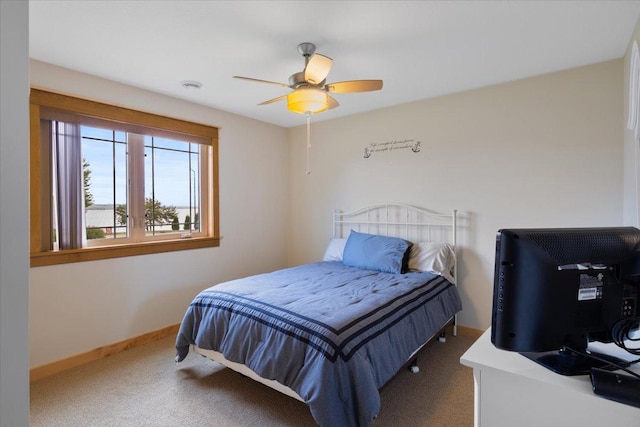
<point x="308" y="114"/>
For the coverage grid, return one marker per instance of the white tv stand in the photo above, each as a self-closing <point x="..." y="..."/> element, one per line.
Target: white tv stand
<point x="511" y="390"/>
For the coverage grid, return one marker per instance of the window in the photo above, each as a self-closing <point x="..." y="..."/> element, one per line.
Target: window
<point x="109" y="182"/>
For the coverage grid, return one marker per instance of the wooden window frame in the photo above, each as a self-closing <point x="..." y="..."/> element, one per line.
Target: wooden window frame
<point x="41" y="101"/>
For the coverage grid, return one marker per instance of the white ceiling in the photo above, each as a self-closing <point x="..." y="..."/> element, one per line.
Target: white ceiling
<point x="421" y="49"/>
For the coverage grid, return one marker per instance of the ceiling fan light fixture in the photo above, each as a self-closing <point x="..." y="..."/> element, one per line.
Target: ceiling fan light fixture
<point x="310" y="92"/>
<point x="310" y="100"/>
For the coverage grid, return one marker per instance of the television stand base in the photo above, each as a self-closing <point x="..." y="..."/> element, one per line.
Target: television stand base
<point x="571" y="363"/>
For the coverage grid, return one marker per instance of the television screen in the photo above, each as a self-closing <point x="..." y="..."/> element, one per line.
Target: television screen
<point x="555" y="290"/>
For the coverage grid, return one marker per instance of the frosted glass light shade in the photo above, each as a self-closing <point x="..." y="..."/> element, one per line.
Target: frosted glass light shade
<point x="307" y="101"/>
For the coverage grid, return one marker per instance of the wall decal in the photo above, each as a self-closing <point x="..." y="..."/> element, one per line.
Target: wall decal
<point x="384" y="147"/>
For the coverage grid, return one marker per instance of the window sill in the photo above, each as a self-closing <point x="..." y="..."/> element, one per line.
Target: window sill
<point x="105" y="252"/>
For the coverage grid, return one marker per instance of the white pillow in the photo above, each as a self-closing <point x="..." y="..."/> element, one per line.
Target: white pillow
<point x="435" y="257"/>
<point x="335" y="249"/>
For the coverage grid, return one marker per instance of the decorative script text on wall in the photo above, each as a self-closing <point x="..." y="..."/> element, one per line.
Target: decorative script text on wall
<point x="385" y="147"/>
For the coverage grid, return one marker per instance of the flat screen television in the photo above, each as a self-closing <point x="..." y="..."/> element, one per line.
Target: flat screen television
<point x="557" y="289"/>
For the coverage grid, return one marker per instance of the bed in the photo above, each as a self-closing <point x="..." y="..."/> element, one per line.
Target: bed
<point x="331" y="333"/>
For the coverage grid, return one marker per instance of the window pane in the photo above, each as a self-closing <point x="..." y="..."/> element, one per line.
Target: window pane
<point x="105" y="178"/>
<point x="169" y="144"/>
<point x="170" y="188"/>
<point x="120" y="136"/>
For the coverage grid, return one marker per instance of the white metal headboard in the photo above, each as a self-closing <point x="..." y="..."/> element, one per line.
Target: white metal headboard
<point x="398" y="220"/>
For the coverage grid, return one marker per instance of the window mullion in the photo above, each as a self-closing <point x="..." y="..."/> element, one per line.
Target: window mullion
<point x="204" y="189"/>
<point x="136" y="210"/>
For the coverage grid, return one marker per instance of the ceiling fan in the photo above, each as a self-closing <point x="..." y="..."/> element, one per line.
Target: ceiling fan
<point x="310" y="91"/>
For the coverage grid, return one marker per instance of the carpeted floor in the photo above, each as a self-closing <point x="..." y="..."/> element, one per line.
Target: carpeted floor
<point x="144" y="387"/>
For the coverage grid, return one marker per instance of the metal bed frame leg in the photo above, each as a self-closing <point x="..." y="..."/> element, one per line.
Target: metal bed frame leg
<point x="443" y="334"/>
<point x="455" y="325"/>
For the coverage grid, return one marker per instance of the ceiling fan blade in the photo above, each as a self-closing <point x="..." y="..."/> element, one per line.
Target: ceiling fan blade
<point x="317" y="68"/>
<point x="270" y="101"/>
<point x="353" y="86"/>
<point x="261" y="81"/>
<point x="332" y="102"/>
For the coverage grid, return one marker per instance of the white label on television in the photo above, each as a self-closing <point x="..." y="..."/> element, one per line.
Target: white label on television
<point x="587" y="294"/>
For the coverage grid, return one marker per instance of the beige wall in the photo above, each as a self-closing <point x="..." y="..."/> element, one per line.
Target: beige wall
<point x="78" y="307"/>
<point x="631" y="148"/>
<point x="540" y="152"/>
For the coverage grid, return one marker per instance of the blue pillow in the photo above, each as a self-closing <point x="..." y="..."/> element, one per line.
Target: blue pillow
<point x="374" y="252"/>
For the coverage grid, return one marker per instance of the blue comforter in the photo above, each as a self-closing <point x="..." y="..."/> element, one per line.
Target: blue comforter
<point x="334" y="334"/>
